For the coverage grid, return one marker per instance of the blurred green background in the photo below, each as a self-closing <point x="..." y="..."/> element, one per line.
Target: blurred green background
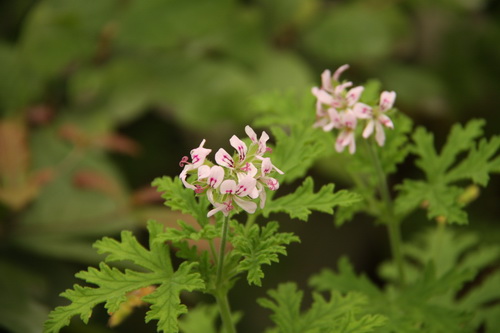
<point x="97" y="98"/>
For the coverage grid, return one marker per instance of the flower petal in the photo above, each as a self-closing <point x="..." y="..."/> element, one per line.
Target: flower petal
<point x="339" y="71"/>
<point x="228" y="187"/>
<point x="386" y="121"/>
<point x="248" y="206"/>
<point x="245" y="186"/>
<point x="362" y="111"/>
<point x="224" y="159"/>
<point x="322" y="96"/>
<point x="240" y="147"/>
<point x="354" y="94"/>
<point x="216" y="176"/>
<point x="387" y="99"/>
<point x="251" y="133"/>
<point x="326" y="80"/>
<point x="199" y="154"/>
<point x="203" y="172"/>
<point x="369" y="129"/>
<point x="379" y="134"/>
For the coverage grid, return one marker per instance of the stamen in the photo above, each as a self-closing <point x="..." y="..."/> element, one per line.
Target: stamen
<point x="184" y="161"/>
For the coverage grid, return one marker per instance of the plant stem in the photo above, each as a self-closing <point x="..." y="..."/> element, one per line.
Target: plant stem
<point x="222" y="251"/>
<point x="225" y="312"/>
<point x="221" y="291"/>
<point x="393" y="224"/>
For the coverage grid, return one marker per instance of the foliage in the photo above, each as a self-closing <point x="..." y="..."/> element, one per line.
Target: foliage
<point x="341" y="313"/>
<point x="438" y="193"/>
<point x="113" y="284"/>
<point x="443" y="289"/>
<point x="258" y="246"/>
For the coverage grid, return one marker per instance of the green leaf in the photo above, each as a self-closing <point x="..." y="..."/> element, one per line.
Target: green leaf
<point x="113" y="284"/>
<point x="259" y="246"/>
<point x="285" y="304"/>
<point x="438" y="192"/>
<point x="301" y="203"/>
<point x="449" y="259"/>
<point x="177" y="197"/>
<point x="187" y="231"/>
<point x="341" y="313"/>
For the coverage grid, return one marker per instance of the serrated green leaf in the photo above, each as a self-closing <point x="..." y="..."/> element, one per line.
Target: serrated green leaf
<point x="439" y="193"/>
<point x="112" y="285"/>
<point x="259" y="246"/>
<point x="187" y="231"/>
<point x="339" y="314"/>
<point x="166" y="304"/>
<point x="177" y="197"/>
<point x="286" y="307"/>
<point x="301" y="203"/>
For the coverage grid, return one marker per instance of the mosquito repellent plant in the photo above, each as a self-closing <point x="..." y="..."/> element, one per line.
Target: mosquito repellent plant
<point x="444" y="280"/>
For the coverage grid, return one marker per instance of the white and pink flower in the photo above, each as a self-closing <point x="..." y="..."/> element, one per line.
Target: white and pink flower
<point x="237" y="180"/>
<point x="338" y="108"/>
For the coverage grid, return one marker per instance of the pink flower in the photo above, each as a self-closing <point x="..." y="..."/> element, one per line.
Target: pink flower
<point x="379" y="119"/>
<point x="346" y="136"/>
<point x="236" y="193"/>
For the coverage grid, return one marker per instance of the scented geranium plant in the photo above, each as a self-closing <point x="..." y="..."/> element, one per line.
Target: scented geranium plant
<point x="444" y="280"/>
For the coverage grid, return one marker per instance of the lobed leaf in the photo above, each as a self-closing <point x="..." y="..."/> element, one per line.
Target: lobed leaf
<point x="112" y="285"/>
<point x="177" y="197"/>
<point x="301" y="203"/>
<point x="259" y="246"/>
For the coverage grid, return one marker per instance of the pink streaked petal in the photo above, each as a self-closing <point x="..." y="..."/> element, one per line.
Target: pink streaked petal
<point x="335" y="117"/>
<point x="272" y="183"/>
<point x="224" y="159"/>
<point x="386" y="121"/>
<point x="362" y="111"/>
<point x="262" y="143"/>
<point x="199" y="154"/>
<point x="379" y="134"/>
<point x="251" y="133"/>
<point x="245" y="186"/>
<point x="216" y="176"/>
<point x="354" y="94"/>
<point x="339" y="71"/>
<point x="267" y="166"/>
<point x="240" y="146"/>
<point x="368" y="129"/>
<point x="250" y="170"/>
<point x="326" y="80"/>
<point x="387" y="99"/>
<point x="228" y="187"/>
<point x="349" y="119"/>
<point x="248" y="206"/>
<point x="342" y="141"/>
<point x="322" y="96"/>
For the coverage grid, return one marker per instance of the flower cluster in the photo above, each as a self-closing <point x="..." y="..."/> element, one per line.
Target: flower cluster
<point x="338" y="107"/>
<point x="239" y="179"/>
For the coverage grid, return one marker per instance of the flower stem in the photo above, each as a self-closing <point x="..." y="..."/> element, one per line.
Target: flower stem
<point x="225" y="312"/>
<point x="221" y="291"/>
<point x="393" y="224"/>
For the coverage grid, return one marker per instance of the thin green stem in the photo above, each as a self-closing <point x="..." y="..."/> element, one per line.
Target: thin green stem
<point x="393" y="224"/>
<point x="221" y="291"/>
<point x="225" y="312"/>
<point x="222" y="251"/>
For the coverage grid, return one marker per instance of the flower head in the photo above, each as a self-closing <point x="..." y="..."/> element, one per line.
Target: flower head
<point x="237" y="180"/>
<point x="338" y="108"/>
